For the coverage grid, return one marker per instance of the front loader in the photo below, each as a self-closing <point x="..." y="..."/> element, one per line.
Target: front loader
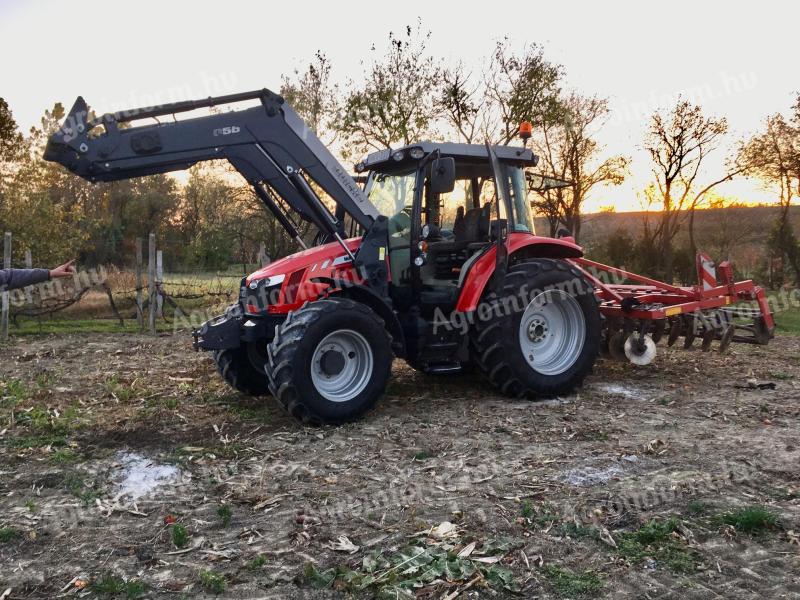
<point x="434" y="260"/>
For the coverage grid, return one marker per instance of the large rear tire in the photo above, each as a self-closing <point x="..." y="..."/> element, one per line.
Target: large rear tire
<point x="329" y="361"/>
<point x="540" y="335"/>
<point x="242" y="368"/>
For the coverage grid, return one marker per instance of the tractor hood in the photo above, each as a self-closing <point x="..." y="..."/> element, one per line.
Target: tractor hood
<point x="320" y="259"/>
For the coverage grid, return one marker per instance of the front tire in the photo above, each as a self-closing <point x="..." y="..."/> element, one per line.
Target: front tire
<point x="540" y="335"/>
<point x="329" y="361"/>
<point x="242" y="368"/>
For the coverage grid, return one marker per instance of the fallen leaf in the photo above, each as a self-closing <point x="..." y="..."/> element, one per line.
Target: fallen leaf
<point x="343" y="544"/>
<point x="467" y="550"/>
<point x="443" y="530"/>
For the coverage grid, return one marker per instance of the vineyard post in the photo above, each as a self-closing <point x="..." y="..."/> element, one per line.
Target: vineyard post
<point x="139" y="284"/>
<point x="6" y="265"/>
<point x="28" y="265"/>
<point x="151" y="282"/>
<point x="160" y="281"/>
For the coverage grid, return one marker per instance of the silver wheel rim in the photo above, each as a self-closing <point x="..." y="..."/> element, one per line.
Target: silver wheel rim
<point x="552" y="332"/>
<point x="341" y="365"/>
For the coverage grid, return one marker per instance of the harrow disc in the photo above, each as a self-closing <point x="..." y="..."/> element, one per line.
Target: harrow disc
<point x="708" y="337"/>
<point x="640" y="352"/>
<point x="727" y="338"/>
<point x="674" y="332"/>
<point x="689" y="333"/>
<point x="658" y="330"/>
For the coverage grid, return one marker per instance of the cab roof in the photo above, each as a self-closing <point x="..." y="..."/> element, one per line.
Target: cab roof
<point x="461" y="152"/>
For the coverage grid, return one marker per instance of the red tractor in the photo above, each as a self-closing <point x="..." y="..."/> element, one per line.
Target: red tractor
<point x="435" y="260"/>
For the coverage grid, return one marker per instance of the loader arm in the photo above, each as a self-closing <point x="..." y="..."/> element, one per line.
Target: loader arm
<point x="270" y="145"/>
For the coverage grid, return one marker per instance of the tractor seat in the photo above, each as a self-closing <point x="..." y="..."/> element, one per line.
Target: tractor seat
<point x="470" y="232"/>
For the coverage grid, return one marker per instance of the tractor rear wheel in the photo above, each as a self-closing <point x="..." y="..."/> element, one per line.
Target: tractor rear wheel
<point x="243" y="368"/>
<point x="540" y="334"/>
<point x="329" y="361"/>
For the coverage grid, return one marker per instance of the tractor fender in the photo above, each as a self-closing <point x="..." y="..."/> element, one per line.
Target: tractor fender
<point x="521" y="246"/>
<point x="364" y="295"/>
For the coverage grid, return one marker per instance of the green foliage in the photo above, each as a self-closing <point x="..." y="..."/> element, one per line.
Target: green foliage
<point x="567" y="583"/>
<point x="397" y="574"/>
<point x="77" y="486"/>
<point x="213" y="582"/>
<point x="751" y="519"/>
<point x="258" y="562"/>
<point x="12" y="392"/>
<point x="577" y="531"/>
<point x="180" y="536"/>
<point x="395" y="104"/>
<point x="225" y="514"/>
<point x="112" y="586"/>
<point x="45" y="427"/>
<point x="696" y="507"/>
<point x="658" y="540"/>
<point x="64" y="456"/>
<point x="120" y="390"/>
<point x="620" y="249"/>
<point x="7" y="534"/>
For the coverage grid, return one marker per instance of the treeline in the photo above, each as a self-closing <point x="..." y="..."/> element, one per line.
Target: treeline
<point x="407" y="94"/>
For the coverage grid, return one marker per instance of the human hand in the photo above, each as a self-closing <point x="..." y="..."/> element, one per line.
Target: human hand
<point x="65" y="270"/>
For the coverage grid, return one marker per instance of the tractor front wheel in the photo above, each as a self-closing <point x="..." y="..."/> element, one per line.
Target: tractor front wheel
<point x="329" y="361"/>
<point x="242" y="368"/>
<point x="539" y="335"/>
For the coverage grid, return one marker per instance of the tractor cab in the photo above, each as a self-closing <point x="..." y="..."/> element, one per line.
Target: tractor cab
<point x="443" y="213"/>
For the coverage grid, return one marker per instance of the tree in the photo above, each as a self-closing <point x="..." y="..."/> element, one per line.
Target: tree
<point x="678" y="143"/>
<point x="773" y="156"/>
<point x="396" y="102"/>
<point x="520" y="88"/>
<point x="569" y="151"/>
<point x="458" y="102"/>
<point x="313" y="96"/>
<point x="12" y="144"/>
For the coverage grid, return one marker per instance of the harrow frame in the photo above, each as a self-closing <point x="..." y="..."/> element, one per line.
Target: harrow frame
<point x="647" y="305"/>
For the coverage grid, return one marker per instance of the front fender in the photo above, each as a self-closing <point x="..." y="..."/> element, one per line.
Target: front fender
<point x="520" y="246"/>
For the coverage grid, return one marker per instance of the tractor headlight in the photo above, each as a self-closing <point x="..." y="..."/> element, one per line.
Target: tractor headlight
<point x="398" y="155"/>
<point x="416" y="153"/>
<point x="261" y="293"/>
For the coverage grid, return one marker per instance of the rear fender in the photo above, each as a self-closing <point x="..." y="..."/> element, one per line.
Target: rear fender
<point x="521" y="246"/>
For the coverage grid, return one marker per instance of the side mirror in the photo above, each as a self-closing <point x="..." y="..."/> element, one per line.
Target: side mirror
<point x="443" y="175"/>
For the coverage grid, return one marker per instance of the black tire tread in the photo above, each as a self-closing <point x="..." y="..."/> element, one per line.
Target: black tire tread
<point x="485" y="337"/>
<point x="234" y="367"/>
<point x="281" y="352"/>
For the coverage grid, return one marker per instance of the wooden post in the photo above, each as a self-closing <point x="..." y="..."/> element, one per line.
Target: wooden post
<point x="6" y="265"/>
<point x="263" y="257"/>
<point x="151" y="282"/>
<point x="139" y="284"/>
<point x="28" y="265"/>
<point x="160" y="281"/>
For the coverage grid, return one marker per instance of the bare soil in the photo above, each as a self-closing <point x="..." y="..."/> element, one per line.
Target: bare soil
<point x="560" y="482"/>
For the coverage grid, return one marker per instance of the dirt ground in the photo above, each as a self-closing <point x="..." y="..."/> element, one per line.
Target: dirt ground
<point x="128" y="469"/>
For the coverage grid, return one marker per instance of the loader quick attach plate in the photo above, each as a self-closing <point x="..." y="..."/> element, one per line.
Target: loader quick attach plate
<point x="220" y="333"/>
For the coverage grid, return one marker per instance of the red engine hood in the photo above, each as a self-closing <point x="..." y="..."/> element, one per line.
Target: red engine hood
<point x="306" y="258"/>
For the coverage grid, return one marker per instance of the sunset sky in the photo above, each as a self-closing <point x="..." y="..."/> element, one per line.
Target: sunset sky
<point x="737" y="59"/>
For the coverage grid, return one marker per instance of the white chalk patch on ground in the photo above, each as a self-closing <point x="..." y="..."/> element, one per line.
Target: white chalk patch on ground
<point x="138" y="476"/>
<point x="586" y="476"/>
<point x="620" y="390"/>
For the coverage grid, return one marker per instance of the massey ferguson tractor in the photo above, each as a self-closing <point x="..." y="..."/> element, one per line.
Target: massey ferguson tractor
<point x="433" y="260"/>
